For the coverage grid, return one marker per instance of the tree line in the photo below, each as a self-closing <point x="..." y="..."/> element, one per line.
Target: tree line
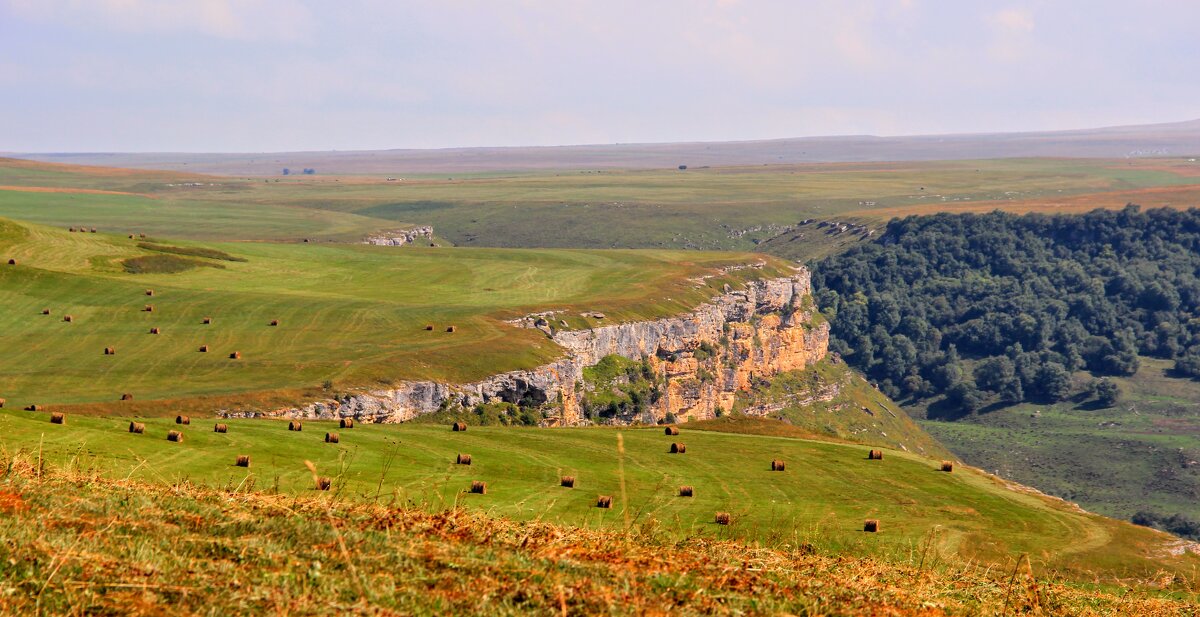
<point x="1003" y="308"/>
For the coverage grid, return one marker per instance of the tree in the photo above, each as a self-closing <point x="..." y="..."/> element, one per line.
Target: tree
<point x="1054" y="381"/>
<point x="965" y="396"/>
<point x="1107" y="392"/>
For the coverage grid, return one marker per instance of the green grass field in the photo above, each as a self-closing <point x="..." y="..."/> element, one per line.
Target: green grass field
<point x="351" y="314"/>
<point x="822" y="498"/>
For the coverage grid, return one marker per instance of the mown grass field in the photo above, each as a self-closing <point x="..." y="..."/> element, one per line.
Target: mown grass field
<point x="352" y="315"/>
<point x="821" y="500"/>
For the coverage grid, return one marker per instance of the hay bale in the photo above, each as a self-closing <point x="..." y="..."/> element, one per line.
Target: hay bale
<point x="332" y="438"/>
<point x="93" y="230"/>
<point x="324" y="483"/>
<point x="685" y="491"/>
<point x="2" y="402"/>
<point x="137" y="428"/>
<point x="429" y="327"/>
<point x="183" y="420"/>
<point x="12" y="262"/>
<point x="450" y="329"/>
<point x="722" y="518"/>
<point x="220" y="428"/>
<point x="243" y="460"/>
<point x="149" y="292"/>
<point x="295" y="425"/>
<point x="45" y="311"/>
<point x="678" y="448"/>
<point x="68" y="318"/>
<point x="58" y="418"/>
<point x="346" y="423"/>
<point x="777" y="465"/>
<point x="71" y="229"/>
<point x="110" y="351"/>
<point x="34" y="408"/>
<point x="604" y="501"/>
<point x="459" y="426"/>
<point x="274" y="322"/>
<point x="204" y="349"/>
<point x="155" y="331"/>
<point x="131" y="236"/>
<point x="237" y="355"/>
<point x="875" y="455"/>
<point x="479" y="488"/>
<point x="567" y="481"/>
<point x="871" y="525"/>
<point x="947" y="466"/>
<point x="671" y="430"/>
<point x="127" y="397"/>
<point x="149" y="308"/>
<point x="463" y="459"/>
<point x="206" y="321"/>
<point x="175" y="436"/>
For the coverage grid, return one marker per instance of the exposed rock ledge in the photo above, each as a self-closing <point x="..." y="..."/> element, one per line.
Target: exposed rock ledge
<point x="705" y="357"/>
<point x="400" y="238"/>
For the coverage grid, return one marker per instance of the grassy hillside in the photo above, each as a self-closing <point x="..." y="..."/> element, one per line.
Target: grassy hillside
<point x="821" y="500"/>
<point x="75" y="543"/>
<point x="350" y="314"/>
<point x="1139" y="455"/>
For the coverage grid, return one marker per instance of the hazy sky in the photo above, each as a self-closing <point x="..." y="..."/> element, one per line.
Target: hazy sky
<point x="259" y="75"/>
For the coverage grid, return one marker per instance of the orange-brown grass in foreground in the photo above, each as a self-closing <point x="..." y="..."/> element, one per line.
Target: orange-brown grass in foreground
<point x="76" y="544"/>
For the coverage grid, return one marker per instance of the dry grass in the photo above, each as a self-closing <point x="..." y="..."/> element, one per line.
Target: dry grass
<point x="76" y="544"/>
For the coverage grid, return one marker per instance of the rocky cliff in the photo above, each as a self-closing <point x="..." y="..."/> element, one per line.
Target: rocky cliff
<point x="700" y="359"/>
<point x="400" y="238"/>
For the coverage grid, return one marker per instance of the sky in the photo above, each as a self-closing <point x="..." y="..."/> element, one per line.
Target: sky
<point x="281" y="75"/>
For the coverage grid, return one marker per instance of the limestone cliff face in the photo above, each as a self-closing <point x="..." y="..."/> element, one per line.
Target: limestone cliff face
<point x="703" y="359"/>
<point x="400" y="238"/>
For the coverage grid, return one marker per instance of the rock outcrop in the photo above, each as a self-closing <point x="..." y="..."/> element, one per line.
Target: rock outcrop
<point x="703" y="358"/>
<point x="400" y="238"/>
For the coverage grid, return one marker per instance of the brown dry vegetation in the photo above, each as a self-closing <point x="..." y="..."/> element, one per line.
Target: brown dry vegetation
<point x="76" y="544"/>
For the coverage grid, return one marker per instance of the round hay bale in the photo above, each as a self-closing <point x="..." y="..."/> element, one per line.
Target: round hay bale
<point x="346" y="423"/>
<point x="206" y="321"/>
<point x="295" y="425"/>
<point x="71" y="229"/>
<point x="678" y="448"/>
<point x="35" y="408"/>
<point x="204" y="349"/>
<point x="871" y="525"/>
<point x="722" y="518"/>
<point x="274" y="322"/>
<point x="110" y="351"/>
<point x="324" y="483"/>
<point x="149" y="308"/>
<point x="875" y="455"/>
<point x="463" y="459"/>
<point x="777" y="465"/>
<point x="12" y="262"/>
<point x="45" y="311"/>
<point x="567" y="481"/>
<point x="149" y="292"/>
<point x="220" y="428"/>
<point x="93" y="230"/>
<point x="58" y="418"/>
<point x="685" y="491"/>
<point x="671" y="430"/>
<point x="332" y="438"/>
<point x="127" y="397"/>
<point x="2" y="402"/>
<point x="237" y="355"/>
<point x="175" y="436"/>
<point x="429" y="327"/>
<point x="947" y="466"/>
<point x="155" y="331"/>
<point x="137" y="428"/>
<point x="450" y="329"/>
<point x="243" y="460"/>
<point x="131" y="236"/>
<point x="459" y="426"/>
<point x="604" y="501"/>
<point x="479" y="488"/>
<point x="183" y="420"/>
<point x="68" y="318"/>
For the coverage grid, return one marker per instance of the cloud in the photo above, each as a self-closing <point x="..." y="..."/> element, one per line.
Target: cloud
<point x="247" y="20"/>
<point x="1012" y="34"/>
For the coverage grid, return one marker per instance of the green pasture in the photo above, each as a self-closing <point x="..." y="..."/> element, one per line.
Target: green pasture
<point x="822" y="498"/>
